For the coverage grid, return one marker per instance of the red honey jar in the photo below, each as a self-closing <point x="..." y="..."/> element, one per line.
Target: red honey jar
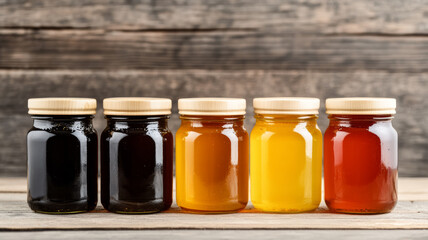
<point x="360" y="155"/>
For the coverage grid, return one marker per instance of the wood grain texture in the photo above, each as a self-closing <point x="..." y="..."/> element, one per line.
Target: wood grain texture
<point x="241" y="50"/>
<point x="410" y="213"/>
<point x="220" y="234"/>
<point x="13" y="185"/>
<point x="410" y="89"/>
<point x="15" y="215"/>
<point x="313" y="16"/>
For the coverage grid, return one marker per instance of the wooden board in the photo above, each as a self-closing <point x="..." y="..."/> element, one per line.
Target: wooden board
<point x="313" y="16"/>
<point x="409" y="89"/>
<point x="15" y="215"/>
<point x="13" y="185"/>
<point x="220" y="234"/>
<point x="97" y="49"/>
<point x="409" y="214"/>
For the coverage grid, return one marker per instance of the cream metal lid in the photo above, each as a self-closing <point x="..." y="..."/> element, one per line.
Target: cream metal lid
<point x="361" y="106"/>
<point x="137" y="106"/>
<point x="212" y="106"/>
<point x="62" y="106"/>
<point x="286" y="105"/>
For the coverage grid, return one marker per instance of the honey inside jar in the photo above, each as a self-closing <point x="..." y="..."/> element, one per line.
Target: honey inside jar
<point x="360" y="155"/>
<point x="286" y="155"/>
<point x="136" y="155"/>
<point x="62" y="154"/>
<point x="212" y="160"/>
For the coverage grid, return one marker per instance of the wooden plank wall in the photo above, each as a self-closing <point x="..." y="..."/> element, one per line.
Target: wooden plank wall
<point x="234" y="48"/>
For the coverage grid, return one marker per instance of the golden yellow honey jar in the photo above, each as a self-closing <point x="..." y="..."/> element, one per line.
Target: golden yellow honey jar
<point x="286" y="155"/>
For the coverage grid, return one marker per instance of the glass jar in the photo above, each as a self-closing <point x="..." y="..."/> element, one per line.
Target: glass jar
<point x="136" y="155"/>
<point x="360" y="155"/>
<point x="212" y="155"/>
<point x="62" y="155"/>
<point x="286" y="155"/>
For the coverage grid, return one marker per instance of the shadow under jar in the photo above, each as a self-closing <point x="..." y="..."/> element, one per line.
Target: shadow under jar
<point x="212" y="155"/>
<point x="136" y="155"/>
<point x="360" y="155"/>
<point x="62" y="154"/>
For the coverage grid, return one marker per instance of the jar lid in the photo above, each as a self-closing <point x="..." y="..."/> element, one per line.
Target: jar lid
<point x="212" y="106"/>
<point x="137" y="106"/>
<point x="286" y="105"/>
<point x="62" y="106"/>
<point x="361" y="106"/>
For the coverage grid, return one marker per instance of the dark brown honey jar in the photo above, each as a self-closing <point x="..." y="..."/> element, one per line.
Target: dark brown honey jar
<point x="62" y="154"/>
<point x="136" y="155"/>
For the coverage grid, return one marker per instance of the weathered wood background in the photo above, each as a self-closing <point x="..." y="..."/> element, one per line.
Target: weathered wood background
<point x="234" y="48"/>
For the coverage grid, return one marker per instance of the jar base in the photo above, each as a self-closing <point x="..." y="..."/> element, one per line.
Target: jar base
<point x="359" y="212"/>
<point x="356" y="208"/>
<point x="49" y="207"/>
<point x="60" y="213"/>
<point x="212" y="208"/>
<point x="285" y="210"/>
<point x="126" y="207"/>
<point x="197" y="211"/>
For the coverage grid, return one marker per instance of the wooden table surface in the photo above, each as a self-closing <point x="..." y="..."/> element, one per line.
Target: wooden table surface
<point x="408" y="220"/>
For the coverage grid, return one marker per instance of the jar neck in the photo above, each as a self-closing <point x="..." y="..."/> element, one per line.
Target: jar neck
<point x="50" y="121"/>
<point x="206" y="121"/>
<point x="137" y="121"/>
<point x="270" y="118"/>
<point x="359" y="120"/>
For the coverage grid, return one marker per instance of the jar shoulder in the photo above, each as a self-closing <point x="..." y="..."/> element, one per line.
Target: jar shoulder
<point x="211" y="129"/>
<point x="46" y="134"/>
<point x="286" y="130"/>
<point x="380" y="131"/>
<point x="194" y="133"/>
<point x="118" y="135"/>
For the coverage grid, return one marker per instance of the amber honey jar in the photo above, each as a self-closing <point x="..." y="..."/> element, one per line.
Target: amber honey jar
<point x="212" y="155"/>
<point x="136" y="155"/>
<point x="360" y="155"/>
<point x="62" y="152"/>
